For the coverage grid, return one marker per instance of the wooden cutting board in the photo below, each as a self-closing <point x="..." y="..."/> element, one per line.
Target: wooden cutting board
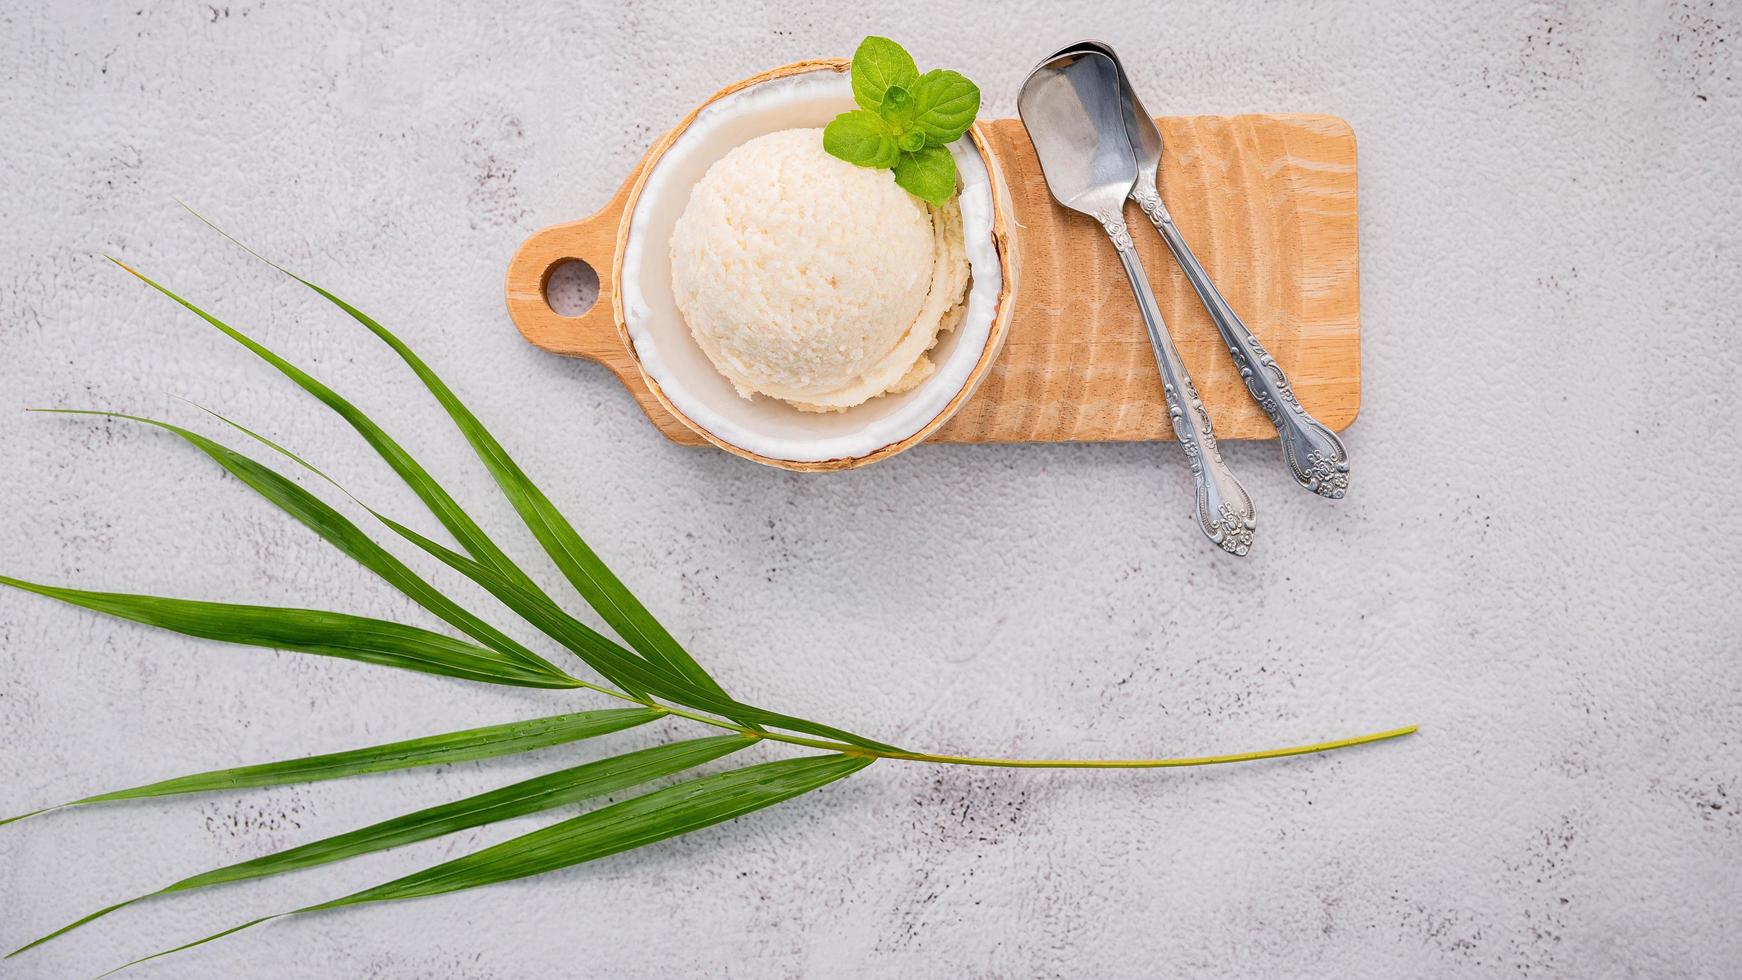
<point x="1268" y="203"/>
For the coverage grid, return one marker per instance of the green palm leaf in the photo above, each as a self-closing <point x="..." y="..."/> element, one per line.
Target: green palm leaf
<point x="339" y="531"/>
<point x="462" y="746"/>
<point x="599" y="833"/>
<point x="651" y="665"/>
<point x="316" y="631"/>
<point x="610" y="659"/>
<point x="529" y="796"/>
<point x="534" y="606"/>
<point x="602" y="589"/>
<point x="440" y="503"/>
<point x="595" y="649"/>
<point x="623" y="826"/>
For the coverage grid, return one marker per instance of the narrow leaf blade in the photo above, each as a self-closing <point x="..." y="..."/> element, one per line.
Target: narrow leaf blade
<point x="593" y="648"/>
<point x="616" y="664"/>
<point x="468" y="745"/>
<point x="573" y="557"/>
<point x="624" y="826"/>
<point x="596" y="583"/>
<point x="343" y="534"/>
<point x="316" y="631"/>
<point x="440" y="503"/>
<point x="620" y="827"/>
<point x="529" y="796"/>
<point x="534" y="606"/>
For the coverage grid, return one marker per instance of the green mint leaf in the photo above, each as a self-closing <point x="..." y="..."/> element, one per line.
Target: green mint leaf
<point x="879" y="65"/>
<point x="905" y="119"/>
<point x="946" y="104"/>
<point x="929" y="174"/>
<point x="899" y="114"/>
<point x="860" y="138"/>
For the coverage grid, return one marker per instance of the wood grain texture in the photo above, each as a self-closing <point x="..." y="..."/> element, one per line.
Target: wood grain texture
<point x="1268" y="203"/>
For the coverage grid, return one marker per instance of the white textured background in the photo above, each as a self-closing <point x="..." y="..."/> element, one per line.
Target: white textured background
<point x="1538" y="562"/>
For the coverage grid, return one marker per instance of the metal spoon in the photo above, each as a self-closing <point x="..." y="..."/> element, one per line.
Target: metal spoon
<point x="1313" y="452"/>
<point x="1071" y="108"/>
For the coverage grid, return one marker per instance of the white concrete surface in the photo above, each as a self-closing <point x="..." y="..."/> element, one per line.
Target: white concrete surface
<point x="1538" y="561"/>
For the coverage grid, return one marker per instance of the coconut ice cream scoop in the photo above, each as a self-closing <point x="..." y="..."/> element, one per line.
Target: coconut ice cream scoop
<point x="811" y="280"/>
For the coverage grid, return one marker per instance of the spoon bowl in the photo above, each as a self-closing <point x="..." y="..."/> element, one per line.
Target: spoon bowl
<point x="1078" y="134"/>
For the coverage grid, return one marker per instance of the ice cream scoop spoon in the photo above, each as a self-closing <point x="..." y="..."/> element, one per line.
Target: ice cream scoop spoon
<point x="1071" y="107"/>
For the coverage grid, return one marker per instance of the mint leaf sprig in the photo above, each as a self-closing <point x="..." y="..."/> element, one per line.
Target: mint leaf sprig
<point x="905" y="120"/>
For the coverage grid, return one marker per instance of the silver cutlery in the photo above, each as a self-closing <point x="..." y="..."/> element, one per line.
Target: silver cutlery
<point x="1071" y="107"/>
<point x="1314" y="454"/>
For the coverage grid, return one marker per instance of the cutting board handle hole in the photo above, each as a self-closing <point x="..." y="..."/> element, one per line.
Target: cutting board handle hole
<point x="571" y="287"/>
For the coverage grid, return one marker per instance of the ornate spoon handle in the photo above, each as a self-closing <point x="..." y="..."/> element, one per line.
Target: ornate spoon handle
<point x="1225" y="511"/>
<point x="1314" y="453"/>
